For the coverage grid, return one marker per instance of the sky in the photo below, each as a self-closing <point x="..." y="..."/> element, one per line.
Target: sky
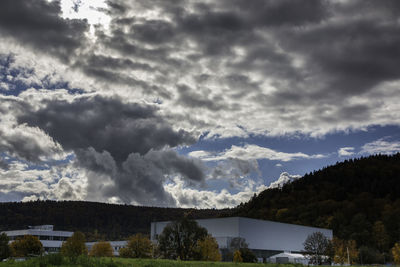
<point x="181" y="103"/>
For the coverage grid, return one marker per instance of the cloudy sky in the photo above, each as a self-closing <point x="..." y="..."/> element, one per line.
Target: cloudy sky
<point x="190" y="103"/>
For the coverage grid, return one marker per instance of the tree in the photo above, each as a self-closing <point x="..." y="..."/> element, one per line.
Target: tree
<point x="208" y="249"/>
<point x="239" y="244"/>
<point x="344" y="251"/>
<point x="74" y="246"/>
<point x="179" y="239"/>
<point x="28" y="245"/>
<point x="381" y="239"/>
<point x="316" y="245"/>
<point x="237" y="257"/>
<point x="396" y="253"/>
<point x="102" y="249"/>
<point x="5" y="250"/>
<point x="139" y="246"/>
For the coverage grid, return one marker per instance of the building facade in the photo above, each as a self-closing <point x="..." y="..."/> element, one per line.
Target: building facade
<point x="50" y="239"/>
<point x="264" y="238"/>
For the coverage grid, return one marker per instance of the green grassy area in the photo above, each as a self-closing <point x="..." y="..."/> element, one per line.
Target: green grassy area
<point x="120" y="262"/>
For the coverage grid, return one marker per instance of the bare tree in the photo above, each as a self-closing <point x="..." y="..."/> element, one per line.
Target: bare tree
<point x="317" y="245"/>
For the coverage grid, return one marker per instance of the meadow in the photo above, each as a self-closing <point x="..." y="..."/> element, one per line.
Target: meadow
<point x="50" y="261"/>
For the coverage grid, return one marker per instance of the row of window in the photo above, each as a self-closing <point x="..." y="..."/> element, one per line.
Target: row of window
<point x="44" y="237"/>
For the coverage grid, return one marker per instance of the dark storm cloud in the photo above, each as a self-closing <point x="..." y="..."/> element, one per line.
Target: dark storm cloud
<point x="38" y="23"/>
<point x="281" y="12"/>
<point x="106" y="124"/>
<point x="124" y="147"/>
<point x="140" y="179"/>
<point x="355" y="56"/>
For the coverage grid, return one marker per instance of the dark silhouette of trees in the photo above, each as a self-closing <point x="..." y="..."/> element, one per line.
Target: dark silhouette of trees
<point x="5" y="251"/>
<point x="179" y="239"/>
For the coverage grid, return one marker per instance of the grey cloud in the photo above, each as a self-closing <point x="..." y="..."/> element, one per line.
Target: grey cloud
<point x="283" y="12"/>
<point x="38" y="23"/>
<point x="189" y="98"/>
<point x="105" y="124"/>
<point x="234" y="170"/>
<point x="153" y="31"/>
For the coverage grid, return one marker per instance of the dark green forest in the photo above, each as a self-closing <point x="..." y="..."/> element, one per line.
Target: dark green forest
<point x="359" y="199"/>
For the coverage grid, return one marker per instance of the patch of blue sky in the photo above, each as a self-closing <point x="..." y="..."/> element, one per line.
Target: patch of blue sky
<point x="14" y="81"/>
<point x="327" y="145"/>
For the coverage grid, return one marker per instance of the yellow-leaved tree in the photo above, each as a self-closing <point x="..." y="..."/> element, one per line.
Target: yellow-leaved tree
<point x="237" y="257"/>
<point x="208" y="249"/>
<point x="74" y="246"/>
<point x="27" y="245"/>
<point x="139" y="246"/>
<point x="344" y="250"/>
<point x="396" y="253"/>
<point x="101" y="249"/>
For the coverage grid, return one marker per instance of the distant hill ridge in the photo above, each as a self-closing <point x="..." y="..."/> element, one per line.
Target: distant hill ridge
<point x="353" y="198"/>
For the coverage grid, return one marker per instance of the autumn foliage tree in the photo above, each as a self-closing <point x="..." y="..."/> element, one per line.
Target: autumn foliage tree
<point x="208" y="249"/>
<point x="344" y="250"/>
<point x="74" y="246"/>
<point x="28" y="245"/>
<point x="396" y="253"/>
<point x="138" y="246"/>
<point x="101" y="249"/>
<point x="237" y="257"/>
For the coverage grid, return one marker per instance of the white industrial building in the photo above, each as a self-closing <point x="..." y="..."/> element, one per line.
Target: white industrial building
<point x="264" y="238"/>
<point x="50" y="239"/>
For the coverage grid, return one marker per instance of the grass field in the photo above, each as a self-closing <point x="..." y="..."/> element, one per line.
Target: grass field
<point x="120" y="262"/>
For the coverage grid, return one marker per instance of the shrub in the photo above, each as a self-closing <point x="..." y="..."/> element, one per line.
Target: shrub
<point x="102" y="249"/>
<point x="28" y="245"/>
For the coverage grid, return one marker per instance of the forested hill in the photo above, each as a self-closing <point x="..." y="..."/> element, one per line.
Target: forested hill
<point x="97" y="220"/>
<point x="359" y="199"/>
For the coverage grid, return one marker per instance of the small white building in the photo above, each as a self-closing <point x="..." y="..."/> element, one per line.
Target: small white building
<point x="264" y="238"/>
<point x="287" y="257"/>
<point x="50" y="239"/>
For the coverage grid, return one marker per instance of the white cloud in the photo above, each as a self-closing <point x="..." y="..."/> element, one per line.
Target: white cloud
<point x="381" y="146"/>
<point x="346" y="151"/>
<point x="251" y="152"/>
<point x="206" y="199"/>
<point x="284" y="178"/>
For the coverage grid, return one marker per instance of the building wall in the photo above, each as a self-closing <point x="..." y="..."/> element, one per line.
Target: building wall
<point x="51" y="240"/>
<point x="269" y="235"/>
<point x="261" y="235"/>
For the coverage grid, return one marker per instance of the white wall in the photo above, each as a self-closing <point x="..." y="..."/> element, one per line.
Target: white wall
<point x="268" y="235"/>
<point x="259" y="234"/>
